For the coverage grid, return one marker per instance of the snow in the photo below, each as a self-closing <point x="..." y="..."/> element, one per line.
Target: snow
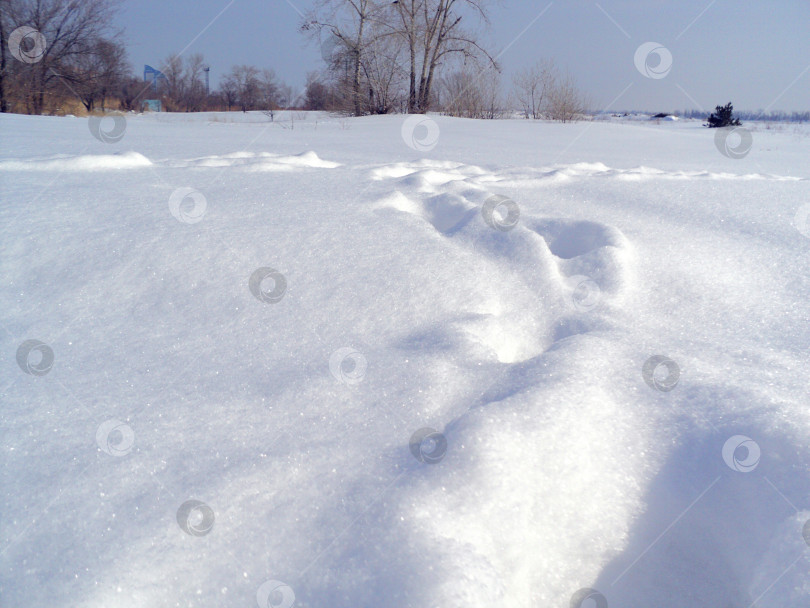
<point x="86" y="162"/>
<point x="387" y="362"/>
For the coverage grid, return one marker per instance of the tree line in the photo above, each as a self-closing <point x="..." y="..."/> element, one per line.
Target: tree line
<point x="420" y="55"/>
<point x="51" y="48"/>
<point x="380" y="56"/>
<point x="772" y="116"/>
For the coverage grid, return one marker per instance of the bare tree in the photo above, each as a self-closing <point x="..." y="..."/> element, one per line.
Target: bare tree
<point x="230" y="91"/>
<point x="287" y="97"/>
<point x="566" y="102"/>
<point x="183" y="87"/>
<point x="245" y="81"/>
<point x="383" y="73"/>
<point x="69" y="29"/>
<point x="458" y="94"/>
<point x="131" y="93"/>
<point x="345" y="26"/>
<point x="533" y="86"/>
<point x="491" y="99"/>
<point x="173" y="86"/>
<point x="268" y="90"/>
<point x="432" y="32"/>
<point x="370" y="37"/>
<point x="194" y="93"/>
<point x="5" y="29"/>
<point x="470" y="94"/>
<point x="114" y="68"/>
<point x="268" y="93"/>
<point x="319" y="95"/>
<point x="99" y="73"/>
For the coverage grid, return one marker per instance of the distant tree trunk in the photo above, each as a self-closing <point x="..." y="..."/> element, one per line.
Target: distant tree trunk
<point x="346" y="21"/>
<point x="407" y="12"/>
<point x="39" y="91"/>
<point x="3" y="102"/>
<point x="358" y="106"/>
<point x="412" y="84"/>
<point x="432" y="31"/>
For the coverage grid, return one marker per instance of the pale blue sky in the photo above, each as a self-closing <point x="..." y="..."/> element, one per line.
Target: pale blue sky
<point x="754" y="53"/>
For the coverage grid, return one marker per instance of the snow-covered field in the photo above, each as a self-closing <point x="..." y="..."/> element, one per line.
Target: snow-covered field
<point x="403" y="363"/>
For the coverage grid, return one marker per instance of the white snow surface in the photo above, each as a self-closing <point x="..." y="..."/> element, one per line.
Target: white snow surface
<point x="289" y="413"/>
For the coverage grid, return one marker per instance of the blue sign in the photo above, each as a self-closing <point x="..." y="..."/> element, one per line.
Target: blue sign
<point x="148" y="71"/>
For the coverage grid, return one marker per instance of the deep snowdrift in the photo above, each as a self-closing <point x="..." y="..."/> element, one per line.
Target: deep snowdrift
<point x="390" y="362"/>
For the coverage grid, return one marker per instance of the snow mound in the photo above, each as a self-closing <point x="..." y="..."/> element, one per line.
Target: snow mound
<point x="89" y="162"/>
<point x="586" y="265"/>
<point x="568" y="172"/>
<point x="257" y="161"/>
